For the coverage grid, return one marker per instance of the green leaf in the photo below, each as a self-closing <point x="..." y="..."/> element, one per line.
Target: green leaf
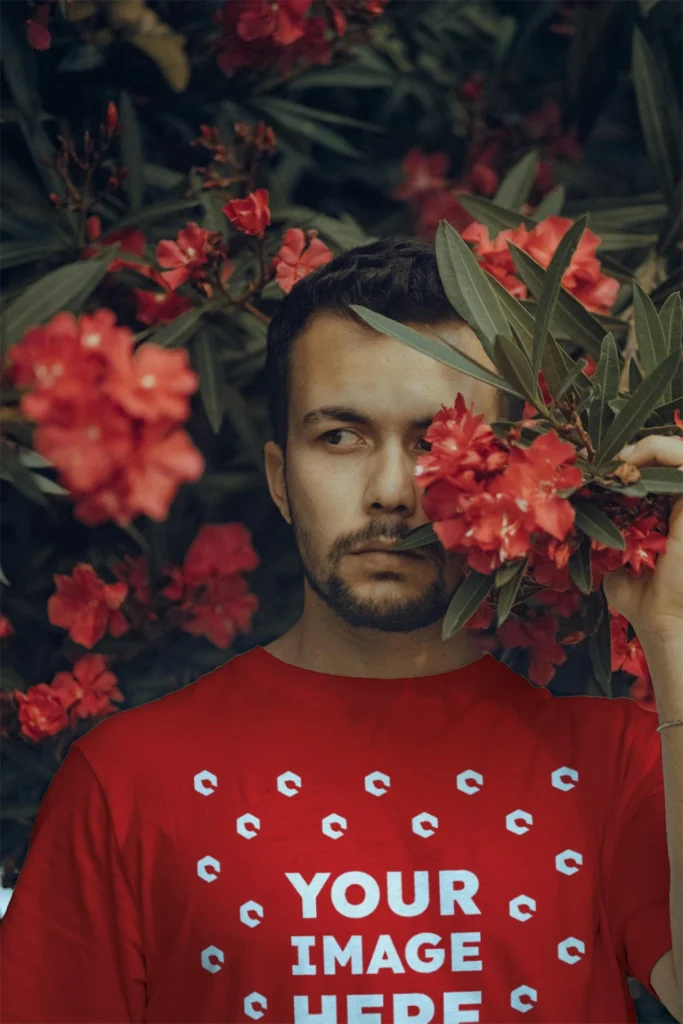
<point x="515" y="313"/>
<point x="179" y="330"/>
<point x="606" y="377"/>
<point x="495" y="218"/>
<point x="65" y="288"/>
<point x="210" y="380"/>
<point x="552" y="204"/>
<point x="571" y="378"/>
<point x="671" y="319"/>
<point x="514" y="364"/>
<point x="551" y="287"/>
<point x="660" y="119"/>
<point x="468" y="288"/>
<point x="516" y="186"/>
<point x="15" y="254"/>
<point x="590" y="519"/>
<point x="652" y="343"/>
<point x="580" y="566"/>
<point x="637" y="409"/>
<point x="666" y="412"/>
<point x="239" y="413"/>
<point x="600" y="649"/>
<point x="301" y="113"/>
<point x="614" y="218"/>
<point x="131" y="150"/>
<point x="662" y="479"/>
<point x="307" y="128"/>
<point x="569" y="316"/>
<point x="618" y="241"/>
<point x="433" y="347"/>
<point x="508" y="591"/>
<point x="465" y="602"/>
<point x="419" y="538"/>
<point x="23" y="479"/>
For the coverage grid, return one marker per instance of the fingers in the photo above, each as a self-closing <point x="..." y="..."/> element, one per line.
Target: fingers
<point x="664" y="451"/>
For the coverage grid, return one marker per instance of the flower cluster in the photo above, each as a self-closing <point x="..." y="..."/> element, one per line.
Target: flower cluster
<point x="210" y="588"/>
<point x="87" y="691"/>
<point x="583" y="277"/>
<point x="496" y="502"/>
<point x="264" y="34"/>
<point x="108" y="415"/>
<point x="434" y="196"/>
<point x="87" y="607"/>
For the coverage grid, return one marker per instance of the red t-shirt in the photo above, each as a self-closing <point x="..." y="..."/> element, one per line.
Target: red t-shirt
<point x="283" y="845"/>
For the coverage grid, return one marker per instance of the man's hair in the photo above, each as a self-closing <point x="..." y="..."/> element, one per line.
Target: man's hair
<point x="397" y="277"/>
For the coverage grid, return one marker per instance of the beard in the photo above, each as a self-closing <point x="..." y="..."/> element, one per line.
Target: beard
<point x="395" y="613"/>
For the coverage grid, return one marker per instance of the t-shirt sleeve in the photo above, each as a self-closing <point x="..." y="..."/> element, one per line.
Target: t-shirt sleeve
<point x="71" y="948"/>
<point x="638" y="888"/>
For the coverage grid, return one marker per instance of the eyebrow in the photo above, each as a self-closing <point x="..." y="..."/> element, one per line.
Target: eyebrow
<point x="347" y="415"/>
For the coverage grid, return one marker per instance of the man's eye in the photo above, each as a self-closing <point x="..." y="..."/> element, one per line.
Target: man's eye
<point x="427" y="443"/>
<point x="330" y="433"/>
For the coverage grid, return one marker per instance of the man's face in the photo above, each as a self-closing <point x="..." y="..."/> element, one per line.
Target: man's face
<point x="349" y="478"/>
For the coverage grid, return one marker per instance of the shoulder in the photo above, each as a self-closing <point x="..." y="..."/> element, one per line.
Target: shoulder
<point x="157" y="730"/>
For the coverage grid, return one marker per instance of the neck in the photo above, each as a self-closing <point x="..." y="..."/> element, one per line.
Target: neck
<point x="322" y="642"/>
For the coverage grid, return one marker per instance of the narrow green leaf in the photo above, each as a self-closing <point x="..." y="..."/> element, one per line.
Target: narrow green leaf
<point x="179" y="330"/>
<point x="419" y="538"/>
<point x="652" y="343"/>
<point x="666" y="412"/>
<point x="63" y="288"/>
<point x="131" y="150"/>
<point x="671" y="319"/>
<point x="302" y="112"/>
<point x="306" y="128"/>
<point x="433" y="347"/>
<point x="590" y="519"/>
<point x="467" y="287"/>
<point x="515" y="313"/>
<point x="662" y="479"/>
<point x="495" y="218"/>
<point x="637" y="409"/>
<point x="552" y="204"/>
<point x="600" y="647"/>
<point x="506" y="572"/>
<point x="23" y="479"/>
<point x="465" y="602"/>
<point x="516" y="186"/>
<point x="580" y="566"/>
<point x="606" y="377"/>
<point x="571" y="378"/>
<point x="570" y="318"/>
<point x="551" y="287"/>
<point x="239" y="414"/>
<point x="621" y="241"/>
<point x="210" y="380"/>
<point x="660" y="119"/>
<point x="508" y="592"/>
<point x="516" y="368"/>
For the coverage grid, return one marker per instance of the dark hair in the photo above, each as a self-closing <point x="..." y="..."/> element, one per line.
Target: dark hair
<point x="397" y="277"/>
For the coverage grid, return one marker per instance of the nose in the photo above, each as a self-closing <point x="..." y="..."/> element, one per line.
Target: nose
<point x="391" y="485"/>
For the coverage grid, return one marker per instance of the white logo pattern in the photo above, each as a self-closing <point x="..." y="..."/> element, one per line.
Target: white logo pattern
<point x="523" y="998"/>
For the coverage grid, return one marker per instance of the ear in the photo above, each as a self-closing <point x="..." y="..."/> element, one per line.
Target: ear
<point x="274" y="462"/>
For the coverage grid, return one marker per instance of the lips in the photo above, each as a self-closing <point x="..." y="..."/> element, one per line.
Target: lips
<point x="387" y="551"/>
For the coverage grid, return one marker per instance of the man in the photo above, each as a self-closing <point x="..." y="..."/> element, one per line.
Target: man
<point x="359" y="822"/>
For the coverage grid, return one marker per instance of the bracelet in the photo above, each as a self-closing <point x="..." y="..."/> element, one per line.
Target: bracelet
<point x="678" y="721"/>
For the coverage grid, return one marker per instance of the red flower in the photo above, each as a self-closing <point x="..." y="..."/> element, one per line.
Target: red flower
<point x="130" y="240"/>
<point x="221" y="549"/>
<point x="296" y="259"/>
<point x="250" y="215"/>
<point x="483" y="178"/>
<point x="41" y="712"/>
<point x="223" y="608"/>
<point x="87" y="691"/>
<point x="539" y="635"/>
<point x="159" y="307"/>
<point x="645" y="538"/>
<point x="87" y="607"/>
<point x="6" y="627"/>
<point x="86" y="443"/>
<point x="628" y="656"/>
<point x="37" y="32"/>
<point x="422" y="173"/>
<point x="678" y="419"/>
<point x="281" y="20"/>
<point x="153" y="384"/>
<point x="487" y="499"/>
<point x="472" y="88"/>
<point x="437" y="206"/>
<point x="583" y="277"/>
<point x="134" y="573"/>
<point x="148" y="481"/>
<point x="184" y="257"/>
